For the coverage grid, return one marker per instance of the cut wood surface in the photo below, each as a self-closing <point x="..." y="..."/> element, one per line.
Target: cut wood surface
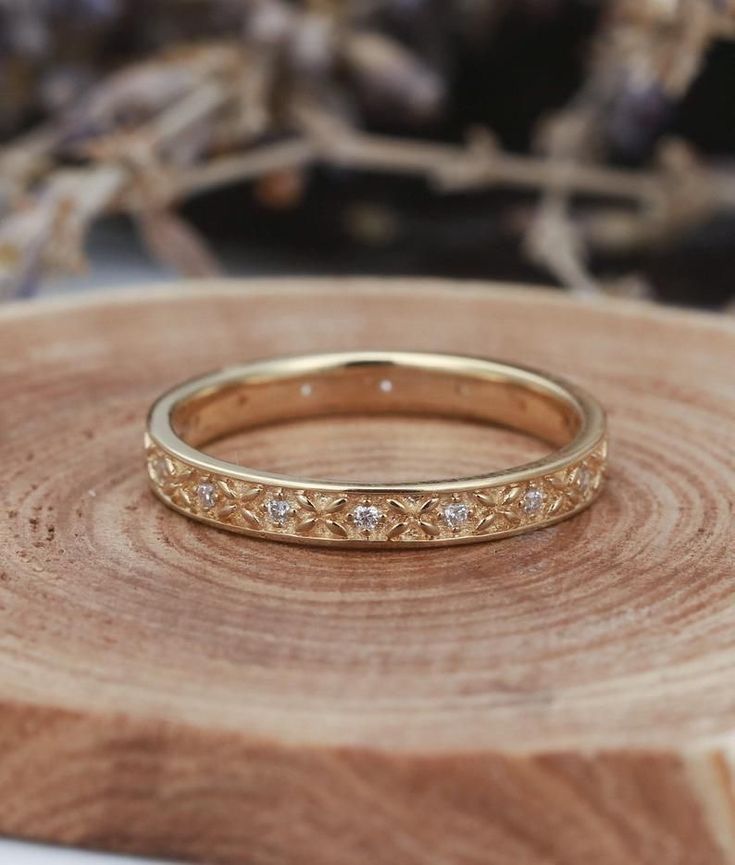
<point x="564" y="697"/>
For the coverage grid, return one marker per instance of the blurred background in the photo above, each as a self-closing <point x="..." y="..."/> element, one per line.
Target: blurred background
<point x="586" y="145"/>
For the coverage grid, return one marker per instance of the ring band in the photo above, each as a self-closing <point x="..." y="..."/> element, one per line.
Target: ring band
<point x="426" y="513"/>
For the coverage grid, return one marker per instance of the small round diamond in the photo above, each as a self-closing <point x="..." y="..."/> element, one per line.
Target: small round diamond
<point x="162" y="469"/>
<point x="366" y="517"/>
<point x="455" y="514"/>
<point x="207" y="495"/>
<point x="533" y="501"/>
<point x="583" y="480"/>
<point x="278" y="510"/>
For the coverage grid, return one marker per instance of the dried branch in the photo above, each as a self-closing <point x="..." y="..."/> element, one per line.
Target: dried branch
<point x="287" y="94"/>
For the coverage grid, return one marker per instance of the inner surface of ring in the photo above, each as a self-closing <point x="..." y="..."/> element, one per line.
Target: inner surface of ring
<point x="531" y="405"/>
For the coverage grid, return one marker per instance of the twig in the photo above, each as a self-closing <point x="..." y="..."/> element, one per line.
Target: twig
<point x="224" y="170"/>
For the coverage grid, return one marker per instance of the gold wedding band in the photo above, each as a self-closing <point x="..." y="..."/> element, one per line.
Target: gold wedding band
<point x="417" y="514"/>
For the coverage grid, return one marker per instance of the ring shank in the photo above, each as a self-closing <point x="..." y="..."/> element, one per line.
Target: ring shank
<point x="419" y="513"/>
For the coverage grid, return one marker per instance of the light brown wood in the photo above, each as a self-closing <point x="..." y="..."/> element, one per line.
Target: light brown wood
<point x="559" y="698"/>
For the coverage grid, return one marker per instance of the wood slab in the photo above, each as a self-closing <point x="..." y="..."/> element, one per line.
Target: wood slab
<point x="564" y="697"/>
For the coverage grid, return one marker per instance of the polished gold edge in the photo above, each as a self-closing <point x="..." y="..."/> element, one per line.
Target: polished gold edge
<point x="275" y="369"/>
<point x="364" y="517"/>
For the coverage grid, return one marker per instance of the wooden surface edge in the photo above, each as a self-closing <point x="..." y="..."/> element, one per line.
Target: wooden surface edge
<point x="171" y="790"/>
<point x="162" y="290"/>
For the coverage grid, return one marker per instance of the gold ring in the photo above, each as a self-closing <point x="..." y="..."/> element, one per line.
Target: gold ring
<point x="420" y="514"/>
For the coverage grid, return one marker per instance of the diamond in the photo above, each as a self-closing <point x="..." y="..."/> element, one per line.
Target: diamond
<point x="207" y="495"/>
<point x="162" y="469"/>
<point x="583" y="479"/>
<point x="455" y="514"/>
<point x="278" y="510"/>
<point x="366" y="517"/>
<point x="533" y="501"/>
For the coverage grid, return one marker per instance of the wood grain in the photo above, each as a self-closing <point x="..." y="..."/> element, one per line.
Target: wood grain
<point x="558" y="698"/>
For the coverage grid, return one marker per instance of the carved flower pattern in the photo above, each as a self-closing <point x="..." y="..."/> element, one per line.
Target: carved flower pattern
<point x="355" y="516"/>
<point x="414" y="514"/>
<point x="320" y="514"/>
